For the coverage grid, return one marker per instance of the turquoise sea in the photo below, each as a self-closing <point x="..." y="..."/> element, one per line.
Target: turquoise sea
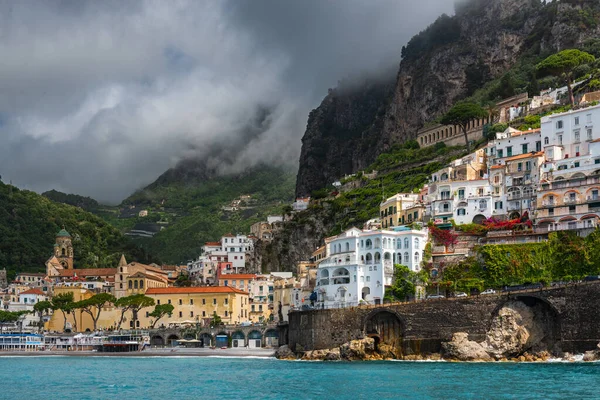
<point x="247" y="378"/>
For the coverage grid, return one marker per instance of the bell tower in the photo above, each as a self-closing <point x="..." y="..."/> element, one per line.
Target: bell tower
<point x="63" y="249"/>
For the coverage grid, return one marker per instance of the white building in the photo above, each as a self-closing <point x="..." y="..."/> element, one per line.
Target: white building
<point x="512" y="143"/>
<point x="360" y="264"/>
<point x="301" y="203"/>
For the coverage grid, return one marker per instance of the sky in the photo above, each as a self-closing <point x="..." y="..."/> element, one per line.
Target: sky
<point x="100" y="98"/>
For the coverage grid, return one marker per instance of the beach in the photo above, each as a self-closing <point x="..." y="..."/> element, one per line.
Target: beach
<point x="152" y="352"/>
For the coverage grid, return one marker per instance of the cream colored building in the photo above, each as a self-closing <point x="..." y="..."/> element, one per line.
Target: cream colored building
<point x="132" y="278"/>
<point x="198" y="304"/>
<point x="390" y="211"/>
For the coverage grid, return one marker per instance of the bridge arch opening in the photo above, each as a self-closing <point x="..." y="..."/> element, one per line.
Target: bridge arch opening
<point x="171" y="339"/>
<point x="532" y="323"/>
<point x="255" y="339"/>
<point x="272" y="338"/>
<point x="206" y="340"/>
<point x="157" y="340"/>
<point x="385" y="328"/>
<point x="238" y="339"/>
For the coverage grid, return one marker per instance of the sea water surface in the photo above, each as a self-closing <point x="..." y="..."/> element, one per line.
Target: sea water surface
<point x="248" y="378"/>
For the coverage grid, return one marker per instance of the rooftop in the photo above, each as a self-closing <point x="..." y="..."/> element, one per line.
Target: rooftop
<point x="526" y="155"/>
<point x="33" y="291"/>
<point x="63" y="233"/>
<point x="238" y="276"/>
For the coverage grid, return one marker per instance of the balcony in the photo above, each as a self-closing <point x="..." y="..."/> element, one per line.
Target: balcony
<point x="570" y="200"/>
<point x="573" y="225"/>
<point x="515" y="206"/>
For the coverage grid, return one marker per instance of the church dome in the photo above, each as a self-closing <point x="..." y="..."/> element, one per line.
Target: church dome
<point x="63" y="233"/>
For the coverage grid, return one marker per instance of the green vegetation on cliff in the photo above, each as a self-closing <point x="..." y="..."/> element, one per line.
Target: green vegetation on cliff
<point x="192" y="204"/>
<point x="564" y="257"/>
<point x="29" y="223"/>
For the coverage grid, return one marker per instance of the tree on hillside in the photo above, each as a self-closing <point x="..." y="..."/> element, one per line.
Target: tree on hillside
<point x="94" y="305"/>
<point x="133" y="303"/>
<point x="160" y="311"/>
<point x="62" y="303"/>
<point x="42" y="308"/>
<point x="461" y="114"/>
<point x="563" y="64"/>
<point x="9" y="316"/>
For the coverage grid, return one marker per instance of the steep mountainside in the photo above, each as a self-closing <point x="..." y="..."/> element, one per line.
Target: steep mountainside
<point x="191" y="197"/>
<point x="448" y="61"/>
<point x="343" y="134"/>
<point x="29" y="223"/>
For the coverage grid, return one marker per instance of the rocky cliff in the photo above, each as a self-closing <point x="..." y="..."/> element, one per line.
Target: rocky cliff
<point x="343" y="133"/>
<point x="444" y="63"/>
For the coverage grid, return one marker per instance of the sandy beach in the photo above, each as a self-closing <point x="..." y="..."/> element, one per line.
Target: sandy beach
<point x="166" y="352"/>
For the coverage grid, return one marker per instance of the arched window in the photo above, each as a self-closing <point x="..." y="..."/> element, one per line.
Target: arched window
<point x="369" y="258"/>
<point x="406" y="243"/>
<point x="416" y="244"/>
<point x="546" y="140"/>
<point x="130" y="285"/>
<point x="377" y="257"/>
<point x="142" y="284"/>
<point x="369" y="244"/>
<point x="406" y="258"/>
<point x="416" y="257"/>
<point x="64" y="251"/>
<point x="482" y="204"/>
<point x="362" y="243"/>
<point x="135" y="284"/>
<point x="377" y="243"/>
<point x="399" y="244"/>
<point x="347" y="246"/>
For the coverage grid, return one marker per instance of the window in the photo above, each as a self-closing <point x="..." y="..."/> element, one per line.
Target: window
<point x="519" y="167"/>
<point x="191" y="302"/>
<point x="158" y="302"/>
<point x="368" y="278"/>
<point x="500" y="153"/>
<point x="214" y="302"/>
<point x="406" y="243"/>
<point x="180" y="314"/>
<point x="130" y="284"/>
<point x="169" y="301"/>
<point x="559" y="124"/>
<point x="191" y="314"/>
<point x="576" y="164"/>
<point x="416" y="257"/>
<point x="226" y="313"/>
<point x="204" y="313"/>
<point x="560" y="139"/>
<point x="416" y="243"/>
<point x="445" y="207"/>
<point x="524" y="148"/>
<point x="571" y="209"/>
<point x="406" y="257"/>
<point x="597" y="161"/>
<point x="508" y="151"/>
<point x="588" y="118"/>
<point x="576" y="120"/>
<point x="527" y="165"/>
<point x="180" y="302"/>
<point x="374" y="267"/>
<point x="498" y="205"/>
<point x="120" y="286"/>
<point x="482" y="204"/>
<point x="461" y="194"/>
<point x="538" y="146"/>
<point x="226" y="301"/>
<point x="461" y="211"/>
<point x="577" y="136"/>
<point x="141" y="284"/>
<point x="203" y="301"/>
<point x="589" y="134"/>
<point x="546" y="140"/>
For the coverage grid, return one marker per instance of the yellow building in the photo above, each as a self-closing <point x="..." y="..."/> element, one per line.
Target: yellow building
<point x="390" y="210"/>
<point x="109" y="316"/>
<point x="198" y="304"/>
<point x="130" y="277"/>
<point x="239" y="281"/>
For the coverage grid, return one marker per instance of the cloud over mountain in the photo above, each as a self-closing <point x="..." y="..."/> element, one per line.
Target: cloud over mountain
<point x="99" y="98"/>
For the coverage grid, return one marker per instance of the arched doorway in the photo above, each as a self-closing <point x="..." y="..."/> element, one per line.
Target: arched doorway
<point x="366" y="293"/>
<point x="272" y="338"/>
<point x="222" y="340"/>
<point x="255" y="339"/>
<point x="171" y="339"/>
<point x="385" y="327"/>
<point x="157" y="340"/>
<point x="514" y="215"/>
<point x="238" y="339"/>
<point x="478" y="219"/>
<point x="206" y="340"/>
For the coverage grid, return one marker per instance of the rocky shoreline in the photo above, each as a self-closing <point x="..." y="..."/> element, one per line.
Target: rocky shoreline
<point x="518" y="333"/>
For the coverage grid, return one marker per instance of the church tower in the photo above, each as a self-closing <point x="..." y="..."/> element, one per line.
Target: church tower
<point x="63" y="249"/>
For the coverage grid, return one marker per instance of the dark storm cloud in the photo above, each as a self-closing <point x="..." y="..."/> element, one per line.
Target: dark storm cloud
<point x="99" y="98"/>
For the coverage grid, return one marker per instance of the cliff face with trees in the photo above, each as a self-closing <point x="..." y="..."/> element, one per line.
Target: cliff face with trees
<point x="448" y="61"/>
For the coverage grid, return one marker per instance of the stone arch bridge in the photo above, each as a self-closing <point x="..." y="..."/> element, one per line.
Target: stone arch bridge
<point x="570" y="316"/>
<point x="231" y="336"/>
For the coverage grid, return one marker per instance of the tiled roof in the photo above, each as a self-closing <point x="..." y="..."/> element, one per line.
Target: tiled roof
<point x="238" y="276"/>
<point x="88" y="272"/>
<point x="519" y="133"/>
<point x="497" y="166"/>
<point x="213" y="244"/>
<point x="526" y="155"/>
<point x="191" y="290"/>
<point x="33" y="291"/>
<point x="228" y="235"/>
